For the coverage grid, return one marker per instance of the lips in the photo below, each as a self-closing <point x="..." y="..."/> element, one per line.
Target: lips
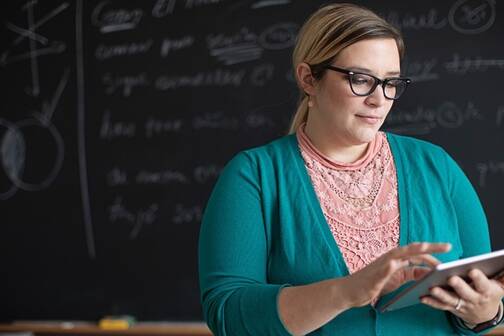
<point x="368" y="116"/>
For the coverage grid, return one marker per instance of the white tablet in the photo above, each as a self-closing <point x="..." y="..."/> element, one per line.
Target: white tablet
<point x="492" y="264"/>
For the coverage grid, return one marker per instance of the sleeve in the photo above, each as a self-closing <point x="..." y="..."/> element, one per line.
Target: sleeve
<point x="235" y="295"/>
<point x="472" y="222"/>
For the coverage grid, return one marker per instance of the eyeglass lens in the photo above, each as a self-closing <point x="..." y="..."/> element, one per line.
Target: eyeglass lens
<point x="364" y="85"/>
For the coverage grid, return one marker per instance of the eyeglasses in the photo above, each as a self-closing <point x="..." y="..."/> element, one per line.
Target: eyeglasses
<point x="363" y="84"/>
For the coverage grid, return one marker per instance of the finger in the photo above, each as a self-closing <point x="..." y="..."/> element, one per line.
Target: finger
<point x="445" y="297"/>
<point x="433" y="302"/>
<point x="480" y="281"/>
<point x="421" y="248"/>
<point x="463" y="289"/>
<point x="426" y="259"/>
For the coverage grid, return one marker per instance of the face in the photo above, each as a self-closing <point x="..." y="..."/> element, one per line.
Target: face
<point x="338" y="114"/>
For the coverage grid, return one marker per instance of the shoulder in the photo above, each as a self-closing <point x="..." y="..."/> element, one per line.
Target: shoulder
<point x="409" y="146"/>
<point x="263" y="157"/>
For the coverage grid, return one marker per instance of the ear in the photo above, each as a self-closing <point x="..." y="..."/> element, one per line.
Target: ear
<point x="305" y="78"/>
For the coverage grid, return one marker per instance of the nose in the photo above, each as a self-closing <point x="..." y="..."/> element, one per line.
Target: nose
<point x="377" y="97"/>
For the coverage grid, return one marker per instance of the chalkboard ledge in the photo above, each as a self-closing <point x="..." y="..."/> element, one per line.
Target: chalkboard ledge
<point x="90" y="328"/>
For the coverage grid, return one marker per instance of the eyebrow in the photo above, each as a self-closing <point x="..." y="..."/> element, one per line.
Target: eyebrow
<point x="359" y="69"/>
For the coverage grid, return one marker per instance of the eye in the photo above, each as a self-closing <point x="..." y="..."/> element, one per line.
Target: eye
<point x="395" y="83"/>
<point x="360" y="79"/>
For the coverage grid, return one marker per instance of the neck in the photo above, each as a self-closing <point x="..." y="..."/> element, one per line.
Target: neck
<point x="334" y="147"/>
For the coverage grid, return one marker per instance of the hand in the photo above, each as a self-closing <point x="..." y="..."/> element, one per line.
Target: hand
<point x="391" y="270"/>
<point x="474" y="303"/>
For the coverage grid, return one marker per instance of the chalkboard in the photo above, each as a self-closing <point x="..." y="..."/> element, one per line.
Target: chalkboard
<point x="117" y="117"/>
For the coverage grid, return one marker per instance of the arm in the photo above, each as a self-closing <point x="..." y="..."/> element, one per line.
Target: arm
<point x="236" y="298"/>
<point x="235" y="295"/>
<point x="473" y="227"/>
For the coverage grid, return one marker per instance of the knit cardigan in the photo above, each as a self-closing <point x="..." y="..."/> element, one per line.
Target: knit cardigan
<point x="263" y="229"/>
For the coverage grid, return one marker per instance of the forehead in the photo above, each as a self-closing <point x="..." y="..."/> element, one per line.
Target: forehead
<point x="380" y="55"/>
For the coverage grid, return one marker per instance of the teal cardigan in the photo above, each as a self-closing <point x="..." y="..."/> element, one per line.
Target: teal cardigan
<point x="263" y="228"/>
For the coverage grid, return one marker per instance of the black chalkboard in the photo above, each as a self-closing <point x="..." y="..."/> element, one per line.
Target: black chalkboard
<point x="117" y="117"/>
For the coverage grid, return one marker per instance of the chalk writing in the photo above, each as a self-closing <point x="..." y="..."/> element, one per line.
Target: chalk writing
<point x="124" y="83"/>
<point x="170" y="44"/>
<point x="163" y="7"/>
<point x="236" y="48"/>
<point x="429" y="20"/>
<point x="104" y="52"/>
<point x="187" y="214"/>
<point x="161" y="177"/>
<point x="137" y="219"/>
<point x="115" y="129"/>
<point x="117" y="177"/>
<point x="206" y="173"/>
<point x="279" y="36"/>
<point x="423" y="119"/>
<point x="472" y="16"/>
<point x="256" y="120"/>
<point x="421" y="71"/>
<point x="262" y="74"/>
<point x="156" y="127"/>
<point x="110" y="20"/>
<point x="478" y="64"/>
<point x="215" y="120"/>
<point x="489" y="168"/>
<point x="218" y="77"/>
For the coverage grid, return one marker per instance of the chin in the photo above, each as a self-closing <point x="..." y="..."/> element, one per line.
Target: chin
<point x="365" y="136"/>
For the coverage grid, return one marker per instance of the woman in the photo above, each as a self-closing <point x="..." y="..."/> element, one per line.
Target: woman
<point x="306" y="233"/>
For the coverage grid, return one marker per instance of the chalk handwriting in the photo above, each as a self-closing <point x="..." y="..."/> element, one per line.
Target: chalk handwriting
<point x="163" y="7"/>
<point x="115" y="129"/>
<point x="256" y="120"/>
<point x="262" y="74"/>
<point x="218" y="78"/>
<point x="104" y="52"/>
<point x="430" y="20"/>
<point x="124" y="83"/>
<point x="215" y="120"/>
<point x="472" y="16"/>
<point x="156" y="127"/>
<point x="236" y="48"/>
<point x="421" y="71"/>
<point x="462" y="66"/>
<point x="423" y="120"/>
<point x="137" y="219"/>
<point x="110" y="20"/>
<point x="161" y="177"/>
<point x="187" y="214"/>
<point x="117" y="177"/>
<point x="170" y="44"/>
<point x="489" y="168"/>
<point x="279" y="36"/>
<point x="206" y="173"/>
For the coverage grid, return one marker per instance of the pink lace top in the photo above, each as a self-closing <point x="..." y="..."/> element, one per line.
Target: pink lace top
<point x="359" y="200"/>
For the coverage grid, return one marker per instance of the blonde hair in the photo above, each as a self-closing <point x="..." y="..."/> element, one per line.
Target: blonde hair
<point x="326" y="33"/>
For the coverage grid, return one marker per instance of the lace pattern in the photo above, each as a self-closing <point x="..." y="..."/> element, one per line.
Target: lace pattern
<point x="360" y="204"/>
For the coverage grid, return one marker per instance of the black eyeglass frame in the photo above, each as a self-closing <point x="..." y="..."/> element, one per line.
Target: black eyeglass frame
<point x="378" y="81"/>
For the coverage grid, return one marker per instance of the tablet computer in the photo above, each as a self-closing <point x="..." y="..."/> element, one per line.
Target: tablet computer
<point x="492" y="264"/>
